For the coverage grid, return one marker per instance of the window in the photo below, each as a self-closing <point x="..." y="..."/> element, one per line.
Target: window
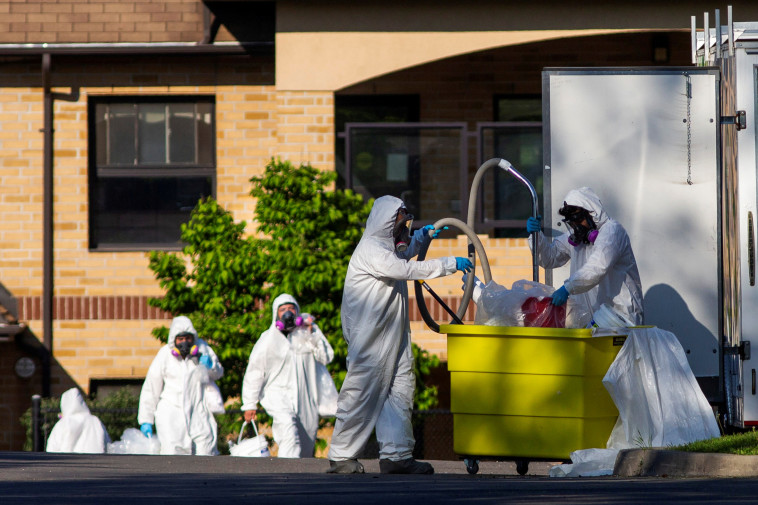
<point x="369" y="109"/>
<point x="518" y="139"/>
<point x="151" y="160"/>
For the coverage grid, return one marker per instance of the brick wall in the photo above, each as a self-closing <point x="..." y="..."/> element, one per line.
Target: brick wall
<point x="305" y="132"/>
<point x="93" y="21"/>
<point x="15" y="395"/>
<point x="102" y="321"/>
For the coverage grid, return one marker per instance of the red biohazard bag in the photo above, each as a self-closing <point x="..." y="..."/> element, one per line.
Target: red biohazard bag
<point x="540" y="312"/>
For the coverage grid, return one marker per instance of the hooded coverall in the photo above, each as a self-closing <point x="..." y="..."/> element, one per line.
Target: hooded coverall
<point x="604" y="271"/>
<point x="78" y="430"/>
<point x="378" y="388"/>
<point x="282" y="377"/>
<point x="173" y="396"/>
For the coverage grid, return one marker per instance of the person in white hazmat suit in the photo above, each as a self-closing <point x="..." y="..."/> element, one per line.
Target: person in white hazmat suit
<point x="179" y="394"/>
<point x="78" y="430"/>
<point x="281" y="375"/>
<point x="603" y="268"/>
<point x="378" y="388"/>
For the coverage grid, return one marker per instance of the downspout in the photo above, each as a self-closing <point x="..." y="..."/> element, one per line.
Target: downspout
<point x="47" y="218"/>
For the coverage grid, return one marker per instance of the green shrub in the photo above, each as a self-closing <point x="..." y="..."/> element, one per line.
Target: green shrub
<point x="225" y="280"/>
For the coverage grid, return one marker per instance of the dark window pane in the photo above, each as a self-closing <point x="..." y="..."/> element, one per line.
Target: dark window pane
<point x="101" y="134"/>
<point x="135" y="210"/>
<point x="369" y="109"/>
<point x="419" y="165"/>
<point x="181" y="131"/>
<point x="148" y="168"/>
<point x="523" y="148"/>
<point x="152" y="133"/>
<point x="121" y="134"/>
<point x="205" y="133"/>
<point x="515" y="109"/>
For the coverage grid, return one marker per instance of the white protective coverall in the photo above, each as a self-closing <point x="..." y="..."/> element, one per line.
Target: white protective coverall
<point x="605" y="272"/>
<point x="174" y="396"/>
<point x="378" y="388"/>
<point x="78" y="430"/>
<point x="282" y="377"/>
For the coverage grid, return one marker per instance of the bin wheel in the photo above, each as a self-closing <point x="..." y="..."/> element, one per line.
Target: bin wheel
<point x="522" y="466"/>
<point x="472" y="465"/>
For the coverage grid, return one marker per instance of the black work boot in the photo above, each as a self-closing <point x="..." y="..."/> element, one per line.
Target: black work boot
<point x="409" y="465"/>
<point x="346" y="466"/>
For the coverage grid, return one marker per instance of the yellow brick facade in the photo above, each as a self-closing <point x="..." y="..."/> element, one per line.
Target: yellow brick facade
<point x="254" y="123"/>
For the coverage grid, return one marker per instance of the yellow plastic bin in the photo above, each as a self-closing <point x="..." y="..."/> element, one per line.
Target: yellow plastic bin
<point x="529" y="393"/>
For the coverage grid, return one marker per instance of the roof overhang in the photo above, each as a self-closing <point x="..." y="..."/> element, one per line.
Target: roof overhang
<point x="136" y="49"/>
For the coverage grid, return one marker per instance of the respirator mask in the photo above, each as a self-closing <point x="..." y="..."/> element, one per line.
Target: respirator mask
<point x="580" y="223"/>
<point x="186" y="347"/>
<point x="288" y="322"/>
<point x="402" y="229"/>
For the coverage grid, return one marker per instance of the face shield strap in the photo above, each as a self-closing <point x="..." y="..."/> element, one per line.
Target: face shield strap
<point x="402" y="229"/>
<point x="580" y="222"/>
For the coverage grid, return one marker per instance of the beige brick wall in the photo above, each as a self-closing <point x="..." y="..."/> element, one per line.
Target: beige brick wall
<point x="305" y="132"/>
<point x="113" y="343"/>
<point x="93" y="21"/>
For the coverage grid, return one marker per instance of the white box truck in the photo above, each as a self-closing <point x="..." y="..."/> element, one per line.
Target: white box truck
<point x="671" y="151"/>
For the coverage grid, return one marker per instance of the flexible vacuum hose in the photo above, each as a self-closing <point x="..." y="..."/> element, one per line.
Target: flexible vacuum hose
<point x="475" y="246"/>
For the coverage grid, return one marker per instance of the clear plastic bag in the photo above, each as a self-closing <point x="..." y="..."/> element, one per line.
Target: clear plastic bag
<point x="499" y="306"/>
<point x="133" y="441"/>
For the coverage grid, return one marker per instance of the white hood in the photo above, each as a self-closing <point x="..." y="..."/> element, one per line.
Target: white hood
<point x="280" y="300"/>
<point x="180" y="324"/>
<point x="381" y="220"/>
<point x="72" y="402"/>
<point x="587" y="199"/>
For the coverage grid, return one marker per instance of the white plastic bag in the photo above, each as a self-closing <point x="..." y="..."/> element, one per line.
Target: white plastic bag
<point x="133" y="441"/>
<point x="256" y="447"/>
<point x="327" y="392"/>
<point x="214" y="402"/>
<point x="659" y="400"/>
<point x="587" y="463"/>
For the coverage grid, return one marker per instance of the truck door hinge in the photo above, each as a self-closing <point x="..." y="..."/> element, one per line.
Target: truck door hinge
<point x="743" y="350"/>
<point x="739" y="120"/>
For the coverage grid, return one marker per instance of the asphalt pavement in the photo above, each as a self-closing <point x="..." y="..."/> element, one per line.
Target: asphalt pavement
<point x="31" y="478"/>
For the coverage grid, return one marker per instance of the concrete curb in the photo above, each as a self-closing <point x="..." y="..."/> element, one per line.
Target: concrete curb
<point x="666" y="463"/>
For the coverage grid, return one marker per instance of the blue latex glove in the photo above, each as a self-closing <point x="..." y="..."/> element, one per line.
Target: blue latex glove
<point x="560" y="296"/>
<point x="430" y="227"/>
<point x="463" y="264"/>
<point x="147" y="429"/>
<point x="207" y="361"/>
<point x="534" y="224"/>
